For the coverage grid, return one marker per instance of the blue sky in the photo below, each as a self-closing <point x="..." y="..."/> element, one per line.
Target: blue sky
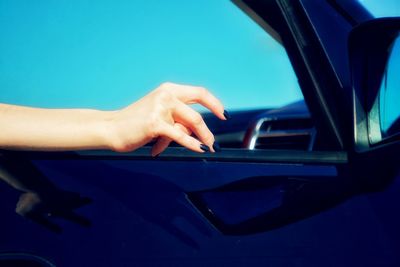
<point x="107" y="54"/>
<point x="70" y="53"/>
<point x="382" y="8"/>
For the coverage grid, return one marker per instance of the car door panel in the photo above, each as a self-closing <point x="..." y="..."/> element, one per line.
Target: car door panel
<point x="139" y="217"/>
<point x="141" y="214"/>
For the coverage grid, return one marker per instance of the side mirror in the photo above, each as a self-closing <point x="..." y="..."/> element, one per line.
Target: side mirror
<point x="374" y="49"/>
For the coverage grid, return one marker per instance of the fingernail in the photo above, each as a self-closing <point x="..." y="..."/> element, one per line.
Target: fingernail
<point x="156" y="155"/>
<point x="227" y="115"/>
<point x="204" y="148"/>
<point x="216" y="147"/>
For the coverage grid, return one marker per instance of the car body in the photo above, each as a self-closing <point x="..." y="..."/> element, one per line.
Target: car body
<point x="289" y="187"/>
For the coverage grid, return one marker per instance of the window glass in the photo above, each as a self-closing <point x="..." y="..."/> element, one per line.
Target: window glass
<point x="106" y="54"/>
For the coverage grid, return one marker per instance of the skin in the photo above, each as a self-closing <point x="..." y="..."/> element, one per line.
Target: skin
<point x="163" y="115"/>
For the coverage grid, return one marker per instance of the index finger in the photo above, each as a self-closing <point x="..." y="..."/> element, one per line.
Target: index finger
<point x="195" y="94"/>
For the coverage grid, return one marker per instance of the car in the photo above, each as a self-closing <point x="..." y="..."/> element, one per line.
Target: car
<point x="312" y="183"/>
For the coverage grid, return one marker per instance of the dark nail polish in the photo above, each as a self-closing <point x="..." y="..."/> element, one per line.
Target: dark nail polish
<point x="216" y="147"/>
<point x="204" y="148"/>
<point x="227" y="115"/>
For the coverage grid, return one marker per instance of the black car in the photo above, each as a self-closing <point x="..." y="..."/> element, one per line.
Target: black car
<point x="314" y="183"/>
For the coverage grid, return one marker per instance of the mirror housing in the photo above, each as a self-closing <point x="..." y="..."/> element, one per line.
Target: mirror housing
<point x="370" y="46"/>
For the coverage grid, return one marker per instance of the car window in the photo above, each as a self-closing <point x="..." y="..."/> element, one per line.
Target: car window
<point x="107" y="54"/>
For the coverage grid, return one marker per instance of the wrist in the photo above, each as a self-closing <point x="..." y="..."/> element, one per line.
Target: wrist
<point x="106" y="130"/>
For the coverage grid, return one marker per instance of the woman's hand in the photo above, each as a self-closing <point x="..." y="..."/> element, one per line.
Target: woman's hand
<point x="164" y="115"/>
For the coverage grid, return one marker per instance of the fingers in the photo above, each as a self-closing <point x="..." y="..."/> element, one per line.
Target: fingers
<point x="185" y="118"/>
<point x="179" y="136"/>
<point x="193" y="120"/>
<point x="163" y="142"/>
<point x="163" y="108"/>
<point x="195" y="94"/>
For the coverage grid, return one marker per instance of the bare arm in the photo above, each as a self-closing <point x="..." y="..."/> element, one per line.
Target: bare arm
<point x="52" y="129"/>
<point x="162" y="114"/>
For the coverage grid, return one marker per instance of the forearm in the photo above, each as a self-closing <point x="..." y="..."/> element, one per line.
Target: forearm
<point x="53" y="129"/>
<point x="162" y="115"/>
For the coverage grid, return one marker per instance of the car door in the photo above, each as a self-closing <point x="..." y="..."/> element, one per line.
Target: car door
<point x="179" y="209"/>
<point x="236" y="207"/>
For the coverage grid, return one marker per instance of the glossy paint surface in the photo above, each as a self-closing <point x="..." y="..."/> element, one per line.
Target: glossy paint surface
<point x="140" y="216"/>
